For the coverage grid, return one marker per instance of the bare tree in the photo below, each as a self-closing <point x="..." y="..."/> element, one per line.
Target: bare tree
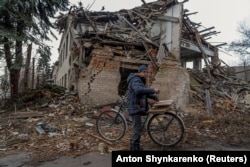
<point x="242" y="46"/>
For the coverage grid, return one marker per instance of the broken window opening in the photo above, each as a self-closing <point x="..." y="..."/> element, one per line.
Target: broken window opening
<point x="123" y="86"/>
<point x="87" y="57"/>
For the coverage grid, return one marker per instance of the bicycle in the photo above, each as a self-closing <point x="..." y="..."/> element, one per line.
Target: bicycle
<point x="162" y="123"/>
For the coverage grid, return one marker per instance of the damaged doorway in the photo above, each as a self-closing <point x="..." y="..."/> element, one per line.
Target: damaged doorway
<point x="124" y="72"/>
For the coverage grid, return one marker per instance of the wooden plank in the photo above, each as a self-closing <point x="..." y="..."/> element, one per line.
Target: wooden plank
<point x="163" y="103"/>
<point x="20" y="115"/>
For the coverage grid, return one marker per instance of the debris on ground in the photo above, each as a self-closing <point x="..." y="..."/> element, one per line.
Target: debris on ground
<point x="68" y="128"/>
<point x="50" y="122"/>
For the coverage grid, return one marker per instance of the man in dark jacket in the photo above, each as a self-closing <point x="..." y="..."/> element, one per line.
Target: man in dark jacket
<point x="137" y="103"/>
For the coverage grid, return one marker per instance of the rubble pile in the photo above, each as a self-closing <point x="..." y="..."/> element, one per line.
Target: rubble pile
<point x="224" y="91"/>
<point x="65" y="127"/>
<point x="124" y="27"/>
<point x="48" y="132"/>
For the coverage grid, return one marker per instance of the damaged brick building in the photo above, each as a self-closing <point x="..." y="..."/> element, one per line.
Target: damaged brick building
<point x="98" y="50"/>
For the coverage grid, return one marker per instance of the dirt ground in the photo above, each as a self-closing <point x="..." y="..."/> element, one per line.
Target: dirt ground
<point x="75" y="133"/>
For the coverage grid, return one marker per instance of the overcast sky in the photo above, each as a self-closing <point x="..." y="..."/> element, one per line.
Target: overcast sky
<point x="224" y="15"/>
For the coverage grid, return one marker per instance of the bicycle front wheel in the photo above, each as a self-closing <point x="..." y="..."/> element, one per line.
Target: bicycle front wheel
<point x="111" y="125"/>
<point x="165" y="129"/>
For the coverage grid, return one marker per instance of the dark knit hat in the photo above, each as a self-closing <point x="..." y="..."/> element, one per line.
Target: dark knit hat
<point x="142" y="68"/>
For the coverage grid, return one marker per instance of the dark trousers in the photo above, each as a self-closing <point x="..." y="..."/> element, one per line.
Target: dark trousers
<point x="136" y="130"/>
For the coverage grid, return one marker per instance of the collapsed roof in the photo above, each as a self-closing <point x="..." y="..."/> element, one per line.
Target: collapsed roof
<point x="133" y="29"/>
<point x="128" y="33"/>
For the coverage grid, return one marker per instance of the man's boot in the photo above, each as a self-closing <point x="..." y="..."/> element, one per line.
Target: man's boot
<point x="135" y="147"/>
<point x="131" y="147"/>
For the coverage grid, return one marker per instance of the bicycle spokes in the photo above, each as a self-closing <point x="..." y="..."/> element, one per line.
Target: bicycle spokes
<point x="111" y="125"/>
<point x="165" y="129"/>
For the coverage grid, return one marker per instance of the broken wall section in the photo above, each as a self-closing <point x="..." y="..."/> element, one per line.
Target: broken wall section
<point x="174" y="84"/>
<point x="98" y="83"/>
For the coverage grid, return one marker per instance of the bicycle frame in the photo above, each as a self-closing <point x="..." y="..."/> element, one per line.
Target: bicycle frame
<point x="119" y="112"/>
<point x="157" y="122"/>
<point x="151" y="112"/>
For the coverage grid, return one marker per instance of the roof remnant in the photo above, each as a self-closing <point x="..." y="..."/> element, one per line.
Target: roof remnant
<point x="131" y="28"/>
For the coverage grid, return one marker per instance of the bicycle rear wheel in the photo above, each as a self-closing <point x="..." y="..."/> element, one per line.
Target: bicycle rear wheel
<point x="111" y="125"/>
<point x="165" y="129"/>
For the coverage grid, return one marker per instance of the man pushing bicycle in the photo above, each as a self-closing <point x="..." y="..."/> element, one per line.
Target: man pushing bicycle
<point x="137" y="103"/>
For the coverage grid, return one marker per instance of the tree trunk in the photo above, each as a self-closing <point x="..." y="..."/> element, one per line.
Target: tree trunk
<point x="14" y="71"/>
<point x="14" y="78"/>
<point x="33" y="73"/>
<point x="27" y="67"/>
<point x="16" y="68"/>
<point x="7" y="48"/>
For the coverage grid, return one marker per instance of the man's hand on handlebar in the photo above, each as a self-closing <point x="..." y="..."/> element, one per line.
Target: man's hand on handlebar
<point x="157" y="91"/>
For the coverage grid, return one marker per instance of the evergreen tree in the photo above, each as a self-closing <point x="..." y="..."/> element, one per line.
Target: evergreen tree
<point x="23" y="21"/>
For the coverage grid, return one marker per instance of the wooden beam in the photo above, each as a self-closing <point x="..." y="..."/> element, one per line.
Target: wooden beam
<point x="207" y="29"/>
<point x="167" y="18"/>
<point x="221" y="44"/>
<point x="132" y="61"/>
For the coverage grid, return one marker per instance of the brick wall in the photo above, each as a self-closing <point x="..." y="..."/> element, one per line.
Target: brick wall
<point x="98" y="84"/>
